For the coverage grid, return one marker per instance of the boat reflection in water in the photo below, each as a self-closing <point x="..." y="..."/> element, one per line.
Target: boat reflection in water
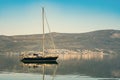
<point x="38" y="64"/>
<point x="43" y="65"/>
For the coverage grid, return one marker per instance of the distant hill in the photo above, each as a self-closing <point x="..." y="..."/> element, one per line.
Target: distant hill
<point x="106" y="40"/>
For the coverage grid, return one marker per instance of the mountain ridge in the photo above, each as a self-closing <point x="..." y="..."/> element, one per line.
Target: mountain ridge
<point x="107" y="40"/>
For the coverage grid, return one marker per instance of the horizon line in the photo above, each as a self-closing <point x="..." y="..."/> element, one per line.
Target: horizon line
<point x="60" y="32"/>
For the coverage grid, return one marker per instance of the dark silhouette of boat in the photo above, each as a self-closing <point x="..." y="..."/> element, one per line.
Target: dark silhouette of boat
<point x="49" y="59"/>
<point x="42" y="58"/>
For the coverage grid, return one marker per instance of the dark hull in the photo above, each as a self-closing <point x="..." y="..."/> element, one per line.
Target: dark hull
<point x="40" y="60"/>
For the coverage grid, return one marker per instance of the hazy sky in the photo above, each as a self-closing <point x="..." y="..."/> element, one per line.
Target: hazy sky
<point x="69" y="16"/>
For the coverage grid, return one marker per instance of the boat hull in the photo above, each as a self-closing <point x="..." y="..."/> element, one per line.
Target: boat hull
<point x="40" y="59"/>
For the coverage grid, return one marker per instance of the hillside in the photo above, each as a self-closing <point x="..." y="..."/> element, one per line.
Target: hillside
<point x="107" y="40"/>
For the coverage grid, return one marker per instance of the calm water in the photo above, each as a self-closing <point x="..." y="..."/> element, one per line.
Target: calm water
<point x="69" y="67"/>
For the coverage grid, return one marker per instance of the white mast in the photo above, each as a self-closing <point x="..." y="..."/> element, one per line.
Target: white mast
<point x="43" y="28"/>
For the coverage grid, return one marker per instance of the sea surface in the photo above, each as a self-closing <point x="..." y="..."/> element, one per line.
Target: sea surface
<point x="68" y="67"/>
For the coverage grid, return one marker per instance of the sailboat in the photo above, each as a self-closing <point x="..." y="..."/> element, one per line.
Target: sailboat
<point x="37" y="57"/>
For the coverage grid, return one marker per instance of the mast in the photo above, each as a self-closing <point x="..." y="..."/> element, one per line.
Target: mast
<point x="43" y="29"/>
